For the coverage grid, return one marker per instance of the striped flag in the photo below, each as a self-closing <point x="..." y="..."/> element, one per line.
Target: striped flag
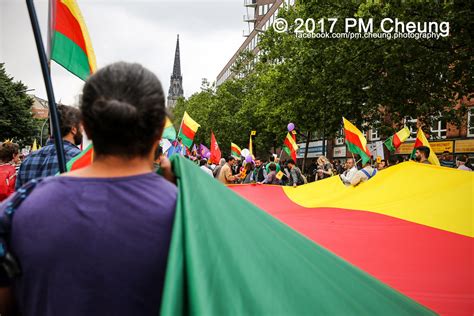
<point x="188" y="129"/>
<point x="397" y="139"/>
<point x="169" y="132"/>
<point x="422" y="141"/>
<point x="290" y="146"/>
<point x="71" y="46"/>
<point x="235" y="150"/>
<point x="355" y="141"/>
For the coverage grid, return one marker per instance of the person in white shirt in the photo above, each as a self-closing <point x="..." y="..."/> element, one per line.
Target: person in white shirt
<point x="462" y="160"/>
<point x="205" y="168"/>
<point x="364" y="174"/>
<point x="351" y="170"/>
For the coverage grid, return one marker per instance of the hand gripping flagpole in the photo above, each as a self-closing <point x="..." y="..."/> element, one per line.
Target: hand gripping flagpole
<point x="58" y="142"/>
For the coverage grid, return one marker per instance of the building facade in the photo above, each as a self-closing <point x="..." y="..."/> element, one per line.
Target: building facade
<point x="260" y="16"/>
<point x="443" y="137"/>
<point x="40" y="108"/>
<point x="176" y="81"/>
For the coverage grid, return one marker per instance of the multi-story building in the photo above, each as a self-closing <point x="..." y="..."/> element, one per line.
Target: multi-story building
<point x="443" y="136"/>
<point x="259" y="17"/>
<point x="40" y="108"/>
<point x="176" y="81"/>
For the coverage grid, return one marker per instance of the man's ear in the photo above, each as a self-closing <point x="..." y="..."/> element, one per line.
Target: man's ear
<point x="73" y="130"/>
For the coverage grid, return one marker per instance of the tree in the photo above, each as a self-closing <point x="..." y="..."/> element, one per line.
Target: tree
<point x="16" y="118"/>
<point x="313" y="83"/>
<point x="374" y="80"/>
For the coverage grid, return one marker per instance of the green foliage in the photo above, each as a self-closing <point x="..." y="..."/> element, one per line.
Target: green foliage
<point x="16" y="119"/>
<point x="314" y="82"/>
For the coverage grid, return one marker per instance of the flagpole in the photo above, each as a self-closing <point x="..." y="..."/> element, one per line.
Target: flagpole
<point x="58" y="141"/>
<point x="180" y="126"/>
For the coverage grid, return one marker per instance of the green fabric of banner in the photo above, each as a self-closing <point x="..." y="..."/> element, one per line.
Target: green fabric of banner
<point x="228" y="257"/>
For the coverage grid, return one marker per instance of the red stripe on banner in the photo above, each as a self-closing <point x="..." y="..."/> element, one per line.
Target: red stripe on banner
<point x="432" y="266"/>
<point x="84" y="161"/>
<point x="396" y="141"/>
<point x="354" y="139"/>
<point x="189" y="133"/>
<point x="67" y="25"/>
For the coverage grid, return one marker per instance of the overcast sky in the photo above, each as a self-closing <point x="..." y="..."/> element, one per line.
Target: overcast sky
<point x="141" y="31"/>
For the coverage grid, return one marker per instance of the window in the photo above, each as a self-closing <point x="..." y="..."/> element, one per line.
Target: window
<point x="374" y="134"/>
<point x="438" y="129"/>
<point x="411" y="123"/>
<point x="470" y="122"/>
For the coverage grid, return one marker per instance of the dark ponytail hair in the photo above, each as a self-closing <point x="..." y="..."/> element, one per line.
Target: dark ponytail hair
<point x="123" y="110"/>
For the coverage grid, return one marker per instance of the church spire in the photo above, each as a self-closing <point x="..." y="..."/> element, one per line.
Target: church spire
<point x="176" y="81"/>
<point x="177" y="62"/>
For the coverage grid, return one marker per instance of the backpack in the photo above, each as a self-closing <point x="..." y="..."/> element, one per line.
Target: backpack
<point x="7" y="181"/>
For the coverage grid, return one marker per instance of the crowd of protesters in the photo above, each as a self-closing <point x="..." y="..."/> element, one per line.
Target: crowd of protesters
<point x="70" y="232"/>
<point x="234" y="170"/>
<point x="42" y="163"/>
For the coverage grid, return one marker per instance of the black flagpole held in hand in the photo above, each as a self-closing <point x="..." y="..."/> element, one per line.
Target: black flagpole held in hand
<point x="53" y="110"/>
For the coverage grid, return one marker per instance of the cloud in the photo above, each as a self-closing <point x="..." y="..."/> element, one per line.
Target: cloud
<point x="136" y="31"/>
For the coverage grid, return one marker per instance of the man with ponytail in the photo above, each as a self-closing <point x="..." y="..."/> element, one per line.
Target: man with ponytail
<point x="95" y="241"/>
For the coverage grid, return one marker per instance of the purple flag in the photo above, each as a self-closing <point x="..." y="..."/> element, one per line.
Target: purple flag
<point x="204" y="151"/>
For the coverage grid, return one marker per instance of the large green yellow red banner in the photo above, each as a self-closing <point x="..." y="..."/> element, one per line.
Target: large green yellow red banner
<point x="411" y="227"/>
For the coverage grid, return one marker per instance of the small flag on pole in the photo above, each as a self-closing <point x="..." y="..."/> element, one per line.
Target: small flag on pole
<point x="355" y="141"/>
<point x="187" y="130"/>
<point x="235" y="150"/>
<point x="34" y="147"/>
<point x="71" y="46"/>
<point x="169" y="132"/>
<point x="397" y="139"/>
<point x="422" y="141"/>
<point x="290" y="146"/>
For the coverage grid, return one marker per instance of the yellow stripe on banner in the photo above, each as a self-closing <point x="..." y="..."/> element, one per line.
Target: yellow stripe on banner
<point x="429" y="195"/>
<point x="76" y="12"/>
<point x="168" y="122"/>
<point x="189" y="122"/>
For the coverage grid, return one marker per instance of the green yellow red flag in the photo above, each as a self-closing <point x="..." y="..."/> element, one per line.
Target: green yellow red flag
<point x="422" y="141"/>
<point x="187" y="130"/>
<point x="71" y="46"/>
<point x="290" y="146"/>
<point x="235" y="150"/>
<point x="394" y="141"/>
<point x="355" y="141"/>
<point x="169" y="132"/>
